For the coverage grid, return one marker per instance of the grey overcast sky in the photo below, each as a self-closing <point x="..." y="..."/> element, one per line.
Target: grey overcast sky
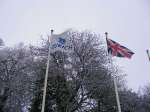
<point x="126" y="21"/>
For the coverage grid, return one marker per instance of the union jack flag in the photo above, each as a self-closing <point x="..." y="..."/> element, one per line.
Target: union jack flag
<point x="118" y="50"/>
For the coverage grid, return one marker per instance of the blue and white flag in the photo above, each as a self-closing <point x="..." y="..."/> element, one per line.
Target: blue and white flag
<point x="61" y="42"/>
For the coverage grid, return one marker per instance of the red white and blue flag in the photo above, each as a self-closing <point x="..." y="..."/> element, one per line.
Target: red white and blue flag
<point x="118" y="50"/>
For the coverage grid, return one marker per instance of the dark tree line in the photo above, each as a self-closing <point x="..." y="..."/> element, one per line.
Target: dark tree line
<point x="80" y="81"/>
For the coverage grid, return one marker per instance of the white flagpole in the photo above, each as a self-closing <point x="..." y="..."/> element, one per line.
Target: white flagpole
<point x="115" y="85"/>
<point x="46" y="75"/>
<point x="117" y="96"/>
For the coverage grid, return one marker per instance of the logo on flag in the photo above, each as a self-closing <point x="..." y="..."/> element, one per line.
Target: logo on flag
<point x="118" y="50"/>
<point x="61" y="43"/>
<point x="61" y="40"/>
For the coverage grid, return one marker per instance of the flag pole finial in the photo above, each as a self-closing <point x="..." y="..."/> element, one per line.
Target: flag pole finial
<point x="147" y="50"/>
<point x="52" y="30"/>
<point x="148" y="54"/>
<point x="106" y="34"/>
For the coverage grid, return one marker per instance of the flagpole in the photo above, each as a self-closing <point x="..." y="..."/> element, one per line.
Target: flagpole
<point x="46" y="75"/>
<point x="115" y="84"/>
<point x="117" y="95"/>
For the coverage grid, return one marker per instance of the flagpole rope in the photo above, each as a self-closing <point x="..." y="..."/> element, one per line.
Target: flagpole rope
<point x="46" y="75"/>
